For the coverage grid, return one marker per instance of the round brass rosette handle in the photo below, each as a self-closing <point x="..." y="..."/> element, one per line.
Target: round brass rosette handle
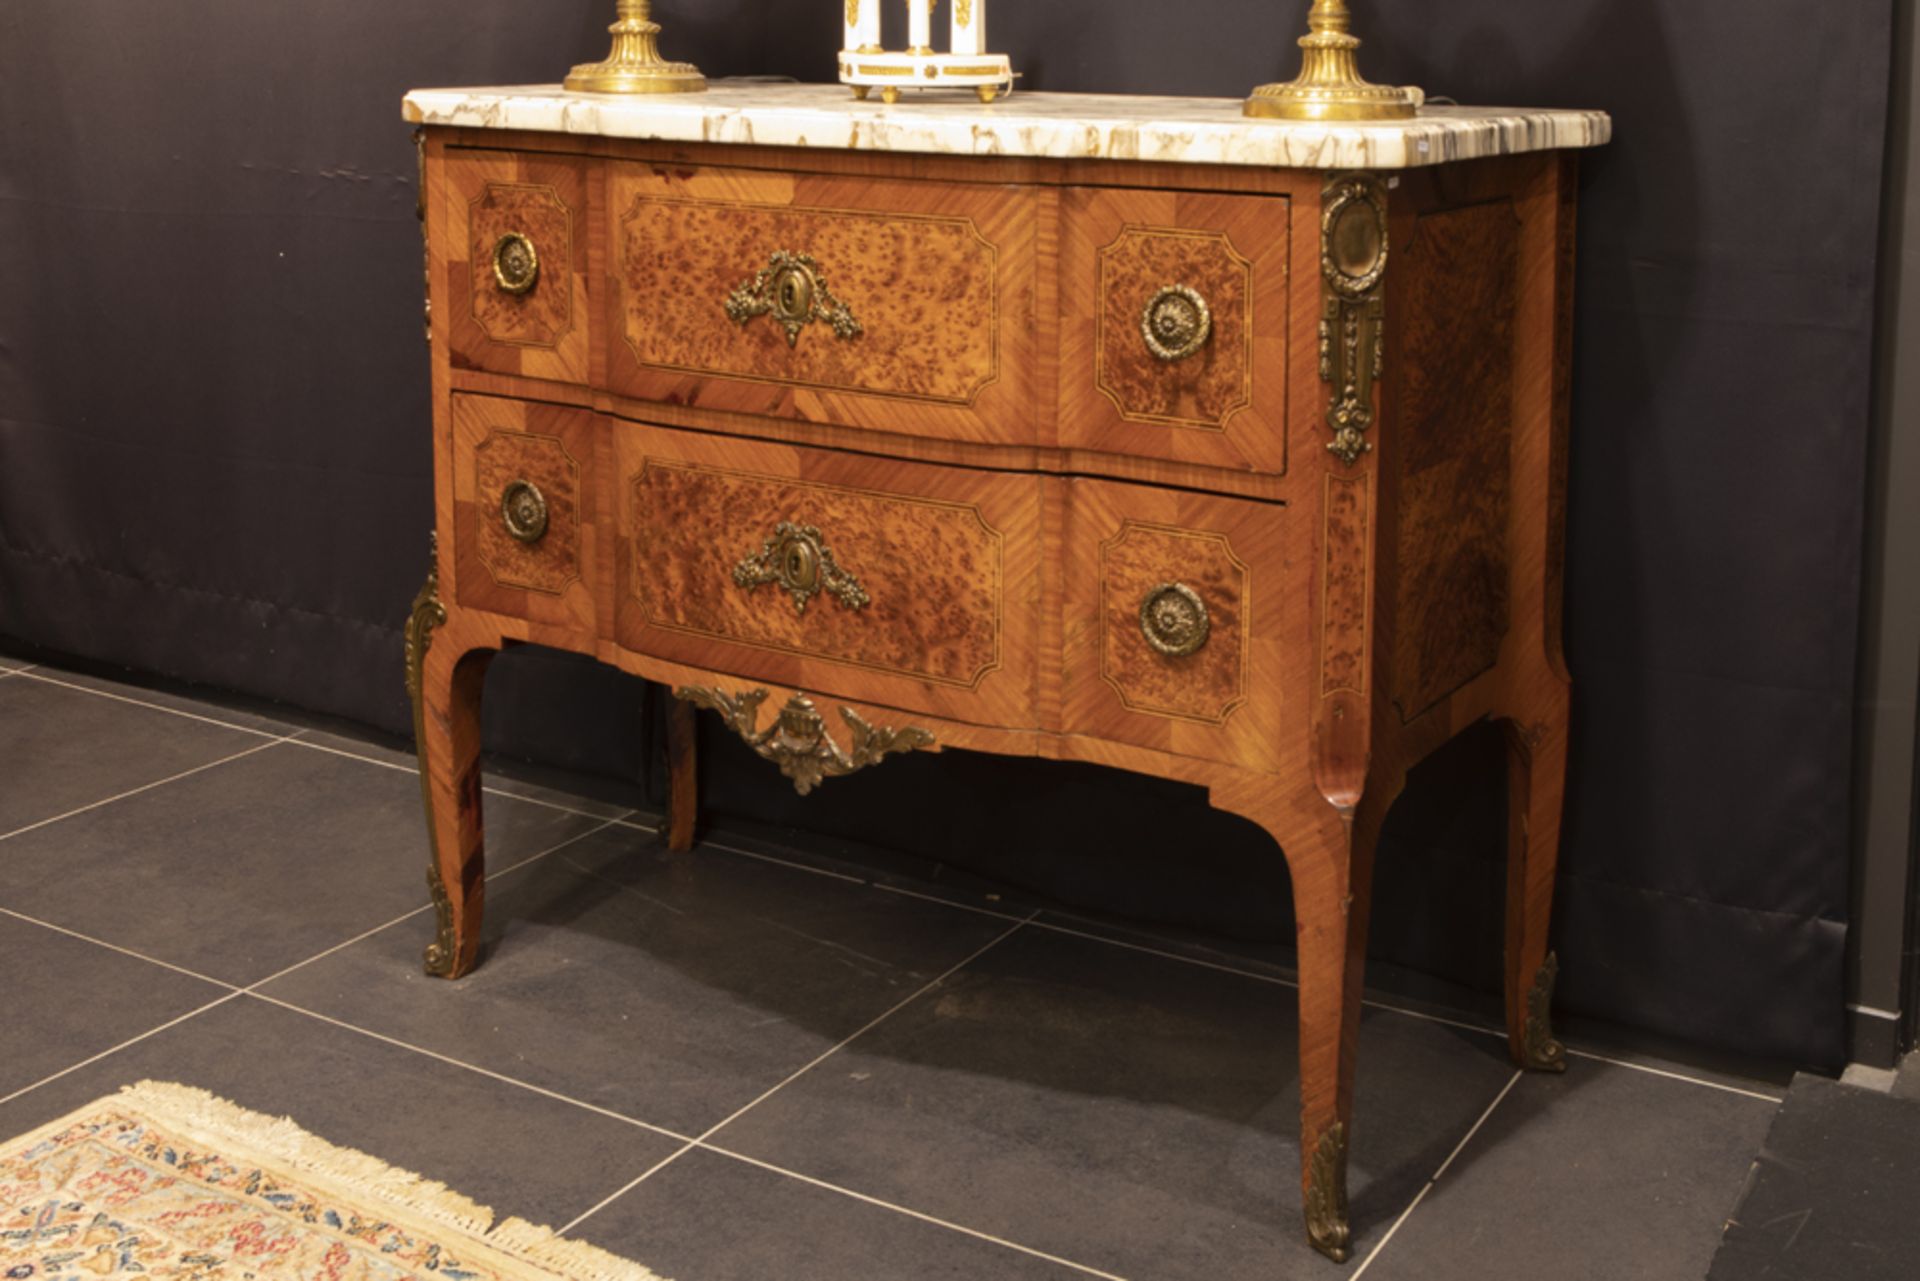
<point x="516" y="263"/>
<point x="1177" y="323"/>
<point x="524" y="509"/>
<point x="1174" y="620"/>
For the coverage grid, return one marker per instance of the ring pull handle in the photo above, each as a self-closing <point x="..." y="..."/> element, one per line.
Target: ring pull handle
<point x="523" y="508"/>
<point x="1174" y="620"/>
<point x="1176" y="323"/>
<point x="516" y="263"/>
<point x="797" y="559"/>
<point x="792" y="290"/>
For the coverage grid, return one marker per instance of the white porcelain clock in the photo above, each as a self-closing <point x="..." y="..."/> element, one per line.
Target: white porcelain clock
<point x="867" y="65"/>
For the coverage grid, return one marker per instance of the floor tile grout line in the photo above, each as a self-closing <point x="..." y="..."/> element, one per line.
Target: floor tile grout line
<point x="491" y="791"/>
<point x="1445" y="1165"/>
<point x="232" y="988"/>
<point x="1774" y="1099"/>
<point x="739" y="852"/>
<point x="909" y="1211"/>
<point x="528" y="861"/>
<point x="236" y="988"/>
<point x="996" y="913"/>
<point x="32" y="674"/>
<point x="294" y="738"/>
<point x="1220" y="967"/>
<point x="174" y="1022"/>
<point x="626" y="821"/>
<point x="475" y="1068"/>
<point x="714" y="1129"/>
<point x="688" y="1142"/>
<point x="198" y="769"/>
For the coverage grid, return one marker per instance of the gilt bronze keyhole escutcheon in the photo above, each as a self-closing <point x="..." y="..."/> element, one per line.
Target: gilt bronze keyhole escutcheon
<point x="1174" y="620"/>
<point x="524" y="509"/>
<point x="797" y="560"/>
<point x="793" y="291"/>
<point x="516" y="263"/>
<point x="1176" y="323"/>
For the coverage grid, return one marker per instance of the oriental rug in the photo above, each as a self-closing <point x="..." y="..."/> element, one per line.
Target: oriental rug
<point x="167" y="1183"/>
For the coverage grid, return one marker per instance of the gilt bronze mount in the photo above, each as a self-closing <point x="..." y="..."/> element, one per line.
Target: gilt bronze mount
<point x="1539" y="1051"/>
<point x="1174" y="620"/>
<point x="1329" y="86"/>
<point x="798" y="741"/>
<point x="428" y="615"/>
<point x="635" y="65"/>
<point x="1176" y="323"/>
<point x="792" y="289"/>
<point x="1327" y="1196"/>
<point x="1353" y="270"/>
<point x="796" y="558"/>
<point x="516" y="263"/>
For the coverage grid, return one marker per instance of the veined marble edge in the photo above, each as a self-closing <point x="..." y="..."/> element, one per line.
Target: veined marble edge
<point x="1054" y="126"/>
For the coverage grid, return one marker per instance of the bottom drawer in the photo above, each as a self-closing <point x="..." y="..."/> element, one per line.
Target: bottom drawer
<point x="1174" y="621"/>
<point x="524" y="510"/>
<point x="886" y="581"/>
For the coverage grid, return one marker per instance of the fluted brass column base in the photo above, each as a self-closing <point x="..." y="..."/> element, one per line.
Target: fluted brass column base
<point x="1330" y="86"/>
<point x="635" y="65"/>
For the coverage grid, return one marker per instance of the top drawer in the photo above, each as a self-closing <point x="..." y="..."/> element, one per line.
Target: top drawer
<point x="516" y="264"/>
<point x="903" y="307"/>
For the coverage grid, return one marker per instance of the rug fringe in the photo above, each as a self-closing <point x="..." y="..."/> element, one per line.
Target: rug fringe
<point x="217" y="1122"/>
<point x="576" y="1259"/>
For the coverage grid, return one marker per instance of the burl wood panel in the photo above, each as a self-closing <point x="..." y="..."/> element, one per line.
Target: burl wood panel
<point x="543" y="333"/>
<point x="1346" y="600"/>
<point x="938" y="276"/>
<point x="1206" y="388"/>
<point x="1223" y="702"/>
<point x="1453" y="449"/>
<point x="1206" y="685"/>
<point x="932" y="571"/>
<point x="497" y="442"/>
<point x="1224" y="406"/>
<point x="948" y="559"/>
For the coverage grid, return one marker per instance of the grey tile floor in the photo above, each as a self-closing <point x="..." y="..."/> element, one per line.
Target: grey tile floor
<point x="737" y="1063"/>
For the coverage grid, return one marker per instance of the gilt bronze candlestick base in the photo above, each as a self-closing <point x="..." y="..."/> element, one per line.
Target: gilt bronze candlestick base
<point x="1329" y="86"/>
<point x="635" y="65"/>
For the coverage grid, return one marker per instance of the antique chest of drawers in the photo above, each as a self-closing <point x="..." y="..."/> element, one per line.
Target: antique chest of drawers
<point x="1121" y="430"/>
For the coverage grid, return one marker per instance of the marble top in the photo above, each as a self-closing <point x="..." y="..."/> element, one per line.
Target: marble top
<point x="1060" y="126"/>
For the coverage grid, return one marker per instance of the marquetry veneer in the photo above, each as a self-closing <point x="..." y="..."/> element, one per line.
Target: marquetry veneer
<point x="1246" y="476"/>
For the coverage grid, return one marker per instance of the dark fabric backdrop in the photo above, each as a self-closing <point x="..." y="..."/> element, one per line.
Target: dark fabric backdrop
<point x="214" y="451"/>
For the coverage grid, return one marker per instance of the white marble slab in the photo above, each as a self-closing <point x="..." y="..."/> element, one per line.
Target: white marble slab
<point x="1059" y="126"/>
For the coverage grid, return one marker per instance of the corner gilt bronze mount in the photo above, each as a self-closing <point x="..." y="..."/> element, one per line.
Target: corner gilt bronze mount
<point x="1353" y="267"/>
<point x="429" y="614"/>
<point x="798" y="742"/>
<point x="1329" y="86"/>
<point x="1327" y="1196"/>
<point x="1539" y="1052"/>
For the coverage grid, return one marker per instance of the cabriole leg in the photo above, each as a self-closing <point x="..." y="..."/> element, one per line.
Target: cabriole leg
<point x="1536" y="783"/>
<point x="445" y="684"/>
<point x="1331" y="887"/>
<point x="683" y="778"/>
